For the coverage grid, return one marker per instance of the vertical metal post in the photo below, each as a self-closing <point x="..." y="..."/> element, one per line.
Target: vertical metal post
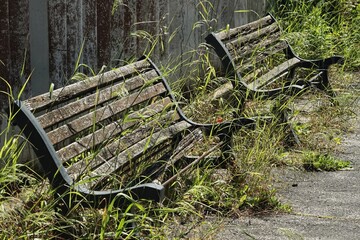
<point x="39" y="46"/>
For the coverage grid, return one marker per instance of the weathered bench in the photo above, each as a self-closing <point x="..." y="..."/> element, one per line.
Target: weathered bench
<point x="118" y="132"/>
<point x="262" y="65"/>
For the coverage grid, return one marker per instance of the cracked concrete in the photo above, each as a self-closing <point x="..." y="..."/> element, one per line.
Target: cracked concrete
<point x="326" y="205"/>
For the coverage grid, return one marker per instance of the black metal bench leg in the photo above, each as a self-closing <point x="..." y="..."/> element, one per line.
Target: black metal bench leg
<point x="291" y="75"/>
<point x="282" y="116"/>
<point x="63" y="229"/>
<point x="292" y="138"/>
<point x="326" y="86"/>
<point x="226" y="149"/>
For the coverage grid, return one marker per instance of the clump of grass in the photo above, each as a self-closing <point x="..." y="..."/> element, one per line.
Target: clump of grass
<point x="26" y="203"/>
<point x="322" y="28"/>
<point x="314" y="161"/>
<point x="321" y="125"/>
<point x="319" y="29"/>
<point x="244" y="184"/>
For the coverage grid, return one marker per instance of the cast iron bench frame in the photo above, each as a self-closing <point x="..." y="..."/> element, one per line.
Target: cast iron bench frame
<point x="57" y="125"/>
<point x="259" y="40"/>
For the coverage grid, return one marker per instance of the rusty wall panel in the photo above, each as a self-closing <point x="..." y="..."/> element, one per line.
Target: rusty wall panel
<point x="240" y="17"/>
<point x="19" y="43"/>
<point x="146" y="18"/>
<point x="57" y="42"/>
<point x="103" y="13"/>
<point x="223" y="13"/>
<point x="89" y="34"/>
<point x="258" y="8"/>
<point x="185" y="30"/>
<point x="129" y="47"/>
<point x="74" y="36"/>
<point x="191" y="15"/>
<point x="123" y="42"/>
<point x="119" y="39"/>
<point x="163" y="28"/>
<point x="175" y="27"/>
<point x="109" y="37"/>
<point x="4" y="49"/>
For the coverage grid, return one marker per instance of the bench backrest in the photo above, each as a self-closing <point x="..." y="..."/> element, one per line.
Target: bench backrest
<point x="108" y="124"/>
<point x="250" y="49"/>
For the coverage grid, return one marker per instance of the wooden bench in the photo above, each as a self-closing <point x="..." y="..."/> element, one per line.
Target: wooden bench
<point x="262" y="65"/>
<point x="118" y="132"/>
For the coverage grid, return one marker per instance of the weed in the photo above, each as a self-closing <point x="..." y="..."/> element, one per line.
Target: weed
<point x="314" y="161"/>
<point x="225" y="189"/>
<point x="328" y="27"/>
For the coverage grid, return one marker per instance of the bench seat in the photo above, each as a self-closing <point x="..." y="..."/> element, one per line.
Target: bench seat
<point x="263" y="65"/>
<point x="121" y="131"/>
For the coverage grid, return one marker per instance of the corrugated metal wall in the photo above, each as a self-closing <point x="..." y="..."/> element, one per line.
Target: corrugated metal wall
<point x="46" y="37"/>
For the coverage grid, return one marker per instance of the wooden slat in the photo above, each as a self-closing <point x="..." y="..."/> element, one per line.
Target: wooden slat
<point x="145" y="171"/>
<point x="221" y="91"/>
<point x="255" y="47"/>
<point x="192" y="164"/>
<point x="133" y="152"/>
<point x="103" y="113"/>
<point x="243" y="39"/>
<point x="273" y="73"/>
<point x="111" y="130"/>
<point x="72" y="109"/>
<point x="111" y="150"/>
<point x="60" y="95"/>
<point x="259" y="71"/>
<point x="250" y="27"/>
<point x="184" y="147"/>
<point x="182" y="150"/>
<point x="250" y="63"/>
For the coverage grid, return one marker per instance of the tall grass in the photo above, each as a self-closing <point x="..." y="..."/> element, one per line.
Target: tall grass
<point x="322" y="28"/>
<point x="241" y="183"/>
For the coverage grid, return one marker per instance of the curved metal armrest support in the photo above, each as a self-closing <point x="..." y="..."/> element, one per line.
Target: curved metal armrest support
<point x="228" y="127"/>
<point x="294" y="89"/>
<point x="150" y="191"/>
<point x="224" y="127"/>
<point x="31" y="128"/>
<point x="322" y="63"/>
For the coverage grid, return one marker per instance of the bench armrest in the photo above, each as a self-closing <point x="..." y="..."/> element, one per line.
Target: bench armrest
<point x="322" y="63"/>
